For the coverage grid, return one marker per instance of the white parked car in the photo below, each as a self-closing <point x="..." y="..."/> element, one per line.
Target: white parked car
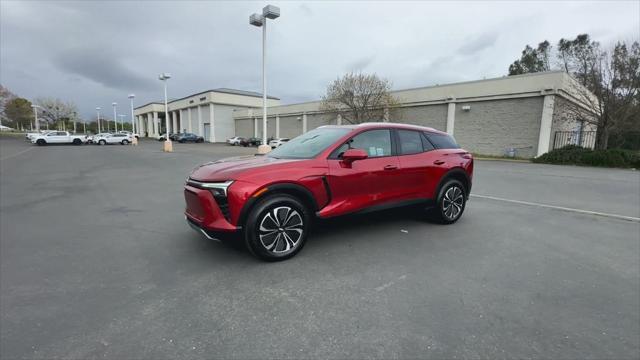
<point x="123" y="139"/>
<point x="59" y="137"/>
<point x="91" y="139"/>
<point x="277" y="142"/>
<point x="132" y="135"/>
<point x="31" y="135"/>
<point x="234" y="140"/>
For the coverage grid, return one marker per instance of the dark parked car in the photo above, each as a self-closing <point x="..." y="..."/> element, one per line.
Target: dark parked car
<point x="252" y="141"/>
<point x="186" y="137"/>
<point x="172" y="137"/>
<point x="268" y="202"/>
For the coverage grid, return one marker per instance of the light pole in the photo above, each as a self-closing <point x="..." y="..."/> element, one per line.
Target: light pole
<point x="121" y="116"/>
<point x="268" y="12"/>
<point x="74" y="121"/>
<point x="168" y="147"/>
<point x="115" y="117"/>
<point x="35" y="114"/>
<point x="99" y="128"/>
<point x="133" y="122"/>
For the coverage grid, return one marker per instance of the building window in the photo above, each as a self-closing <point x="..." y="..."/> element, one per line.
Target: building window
<point x="203" y="98"/>
<point x="190" y="101"/>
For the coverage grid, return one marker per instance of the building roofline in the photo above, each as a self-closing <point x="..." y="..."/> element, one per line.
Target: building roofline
<point x="219" y="90"/>
<point x="504" y="77"/>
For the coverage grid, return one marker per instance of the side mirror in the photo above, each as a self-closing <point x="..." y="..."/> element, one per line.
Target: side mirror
<point x="352" y="155"/>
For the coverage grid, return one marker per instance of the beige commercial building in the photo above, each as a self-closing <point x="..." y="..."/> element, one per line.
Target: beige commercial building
<point x="490" y="116"/>
<point x="521" y="114"/>
<point x="208" y="113"/>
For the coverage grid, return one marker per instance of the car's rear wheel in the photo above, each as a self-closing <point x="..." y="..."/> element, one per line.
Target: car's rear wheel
<point x="41" y="142"/>
<point x="77" y="141"/>
<point x="450" y="203"/>
<point x="277" y="227"/>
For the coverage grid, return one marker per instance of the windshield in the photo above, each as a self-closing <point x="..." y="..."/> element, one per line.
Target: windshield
<point x="308" y="145"/>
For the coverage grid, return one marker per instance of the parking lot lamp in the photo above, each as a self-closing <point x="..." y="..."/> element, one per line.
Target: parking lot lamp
<point x="268" y="12"/>
<point x="121" y="116"/>
<point x="133" y="122"/>
<point x="168" y="146"/>
<point x="98" y="111"/>
<point x="35" y="114"/>
<point x="115" y="117"/>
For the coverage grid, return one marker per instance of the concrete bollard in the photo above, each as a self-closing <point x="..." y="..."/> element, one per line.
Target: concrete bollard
<point x="168" y="146"/>
<point x="263" y="149"/>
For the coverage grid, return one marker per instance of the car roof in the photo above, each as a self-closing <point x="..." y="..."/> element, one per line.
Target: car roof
<point x="385" y="125"/>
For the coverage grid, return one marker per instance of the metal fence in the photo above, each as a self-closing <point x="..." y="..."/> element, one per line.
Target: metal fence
<point x="586" y="139"/>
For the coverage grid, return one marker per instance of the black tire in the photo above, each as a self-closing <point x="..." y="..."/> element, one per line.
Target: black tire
<point x="41" y="142"/>
<point x="450" y="202"/>
<point x="284" y="244"/>
<point x="102" y="142"/>
<point x="181" y="141"/>
<point x="77" y="142"/>
<point x="125" y="142"/>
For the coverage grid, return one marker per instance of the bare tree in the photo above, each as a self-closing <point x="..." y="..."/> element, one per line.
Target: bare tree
<point x="359" y="97"/>
<point x="606" y="88"/>
<point x="5" y="97"/>
<point x="56" y="111"/>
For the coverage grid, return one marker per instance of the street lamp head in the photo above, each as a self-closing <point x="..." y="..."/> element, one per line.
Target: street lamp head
<point x="114" y="103"/>
<point x="256" y="20"/>
<point x="35" y="106"/>
<point x="164" y="76"/>
<point x="271" y="12"/>
<point x="98" y="108"/>
<point x="131" y="96"/>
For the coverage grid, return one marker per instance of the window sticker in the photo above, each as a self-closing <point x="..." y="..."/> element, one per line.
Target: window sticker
<point x="372" y="151"/>
<point x="380" y="151"/>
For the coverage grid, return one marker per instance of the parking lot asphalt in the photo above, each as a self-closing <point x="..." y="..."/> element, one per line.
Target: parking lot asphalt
<point x="97" y="261"/>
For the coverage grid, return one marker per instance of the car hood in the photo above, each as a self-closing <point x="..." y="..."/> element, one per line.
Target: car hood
<point x="232" y="168"/>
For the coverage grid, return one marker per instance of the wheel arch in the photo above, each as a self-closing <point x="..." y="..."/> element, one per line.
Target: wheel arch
<point x="298" y="191"/>
<point x="456" y="174"/>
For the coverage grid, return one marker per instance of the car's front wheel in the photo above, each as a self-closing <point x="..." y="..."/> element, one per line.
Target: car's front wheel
<point x="102" y="142"/>
<point x="277" y="227"/>
<point x="450" y="203"/>
<point x="41" y="142"/>
<point x="125" y="142"/>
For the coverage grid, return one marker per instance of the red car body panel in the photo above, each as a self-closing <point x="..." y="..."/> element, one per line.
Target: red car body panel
<point x="335" y="186"/>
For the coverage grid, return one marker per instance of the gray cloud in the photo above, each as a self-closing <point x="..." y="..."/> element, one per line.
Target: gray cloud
<point x="477" y="44"/>
<point x="94" y="65"/>
<point x="360" y="64"/>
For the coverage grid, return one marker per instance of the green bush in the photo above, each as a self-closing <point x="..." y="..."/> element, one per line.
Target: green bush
<point x="576" y="155"/>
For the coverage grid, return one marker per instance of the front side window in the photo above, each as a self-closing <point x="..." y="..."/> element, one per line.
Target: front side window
<point x="376" y="143"/>
<point x="410" y="142"/>
<point x="310" y="144"/>
<point x="442" y="141"/>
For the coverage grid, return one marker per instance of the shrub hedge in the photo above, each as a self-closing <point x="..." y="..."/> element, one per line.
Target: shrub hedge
<point x="576" y="155"/>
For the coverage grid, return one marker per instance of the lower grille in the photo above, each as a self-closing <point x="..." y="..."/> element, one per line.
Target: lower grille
<point x="223" y="204"/>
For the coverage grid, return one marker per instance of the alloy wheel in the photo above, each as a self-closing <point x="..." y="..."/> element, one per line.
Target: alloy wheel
<point x="452" y="202"/>
<point x="281" y="230"/>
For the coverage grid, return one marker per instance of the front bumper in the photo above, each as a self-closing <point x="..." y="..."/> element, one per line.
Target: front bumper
<point x="204" y="212"/>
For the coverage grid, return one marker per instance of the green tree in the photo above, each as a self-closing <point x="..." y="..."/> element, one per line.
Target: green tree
<point x="19" y="112"/>
<point x="532" y="60"/>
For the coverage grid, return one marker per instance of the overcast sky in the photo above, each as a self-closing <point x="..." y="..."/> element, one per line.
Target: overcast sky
<point x="97" y="52"/>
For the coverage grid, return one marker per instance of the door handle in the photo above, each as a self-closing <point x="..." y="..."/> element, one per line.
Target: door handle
<point x="390" y="167"/>
<point x="438" y="162"/>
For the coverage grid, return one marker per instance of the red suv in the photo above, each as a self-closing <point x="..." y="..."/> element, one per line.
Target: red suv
<point x="270" y="200"/>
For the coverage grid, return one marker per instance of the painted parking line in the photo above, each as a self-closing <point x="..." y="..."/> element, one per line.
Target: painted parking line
<point x="16" y="154"/>
<point x="562" y="208"/>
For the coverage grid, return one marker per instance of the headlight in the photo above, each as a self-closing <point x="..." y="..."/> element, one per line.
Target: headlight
<point x="215" y="187"/>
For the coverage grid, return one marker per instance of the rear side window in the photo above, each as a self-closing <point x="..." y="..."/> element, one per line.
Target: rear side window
<point x="410" y="142"/>
<point x="442" y="141"/>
